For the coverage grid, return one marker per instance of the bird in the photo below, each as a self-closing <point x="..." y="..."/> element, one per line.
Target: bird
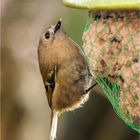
<point x="65" y="73"/>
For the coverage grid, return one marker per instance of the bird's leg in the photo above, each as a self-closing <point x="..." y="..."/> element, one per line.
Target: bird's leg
<point x="87" y="90"/>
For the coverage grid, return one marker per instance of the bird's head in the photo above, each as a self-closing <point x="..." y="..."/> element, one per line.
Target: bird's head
<point x="51" y="33"/>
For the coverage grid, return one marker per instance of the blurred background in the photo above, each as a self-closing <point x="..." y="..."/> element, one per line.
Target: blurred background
<point x="25" y="112"/>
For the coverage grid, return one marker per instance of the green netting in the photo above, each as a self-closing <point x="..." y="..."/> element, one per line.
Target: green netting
<point x="111" y="40"/>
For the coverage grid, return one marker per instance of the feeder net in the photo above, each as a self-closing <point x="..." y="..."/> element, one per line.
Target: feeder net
<point x="111" y="41"/>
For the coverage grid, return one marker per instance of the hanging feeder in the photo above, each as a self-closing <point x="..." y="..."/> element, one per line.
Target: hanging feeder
<point x="111" y="41"/>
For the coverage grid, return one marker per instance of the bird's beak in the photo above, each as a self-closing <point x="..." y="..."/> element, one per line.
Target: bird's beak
<point x="57" y="25"/>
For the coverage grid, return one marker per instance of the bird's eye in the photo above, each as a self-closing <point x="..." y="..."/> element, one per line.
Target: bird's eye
<point x="47" y="35"/>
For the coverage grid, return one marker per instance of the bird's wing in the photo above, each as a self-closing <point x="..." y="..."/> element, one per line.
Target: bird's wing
<point x="50" y="84"/>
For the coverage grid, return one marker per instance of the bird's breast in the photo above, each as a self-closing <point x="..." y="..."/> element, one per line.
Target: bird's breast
<point x="71" y="81"/>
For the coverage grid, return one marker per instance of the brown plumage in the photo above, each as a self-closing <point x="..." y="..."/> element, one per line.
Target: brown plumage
<point x="65" y="72"/>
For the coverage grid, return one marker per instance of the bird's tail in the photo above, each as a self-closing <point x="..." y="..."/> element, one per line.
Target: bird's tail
<point x="54" y="122"/>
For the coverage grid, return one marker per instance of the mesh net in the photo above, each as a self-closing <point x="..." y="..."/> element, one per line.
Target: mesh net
<point x="111" y="42"/>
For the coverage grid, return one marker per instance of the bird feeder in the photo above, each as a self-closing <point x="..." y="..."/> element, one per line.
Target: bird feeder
<point x="111" y="41"/>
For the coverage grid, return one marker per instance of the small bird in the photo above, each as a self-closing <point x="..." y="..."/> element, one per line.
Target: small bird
<point x="65" y="73"/>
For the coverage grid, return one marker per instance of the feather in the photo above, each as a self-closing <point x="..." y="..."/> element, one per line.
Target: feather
<point x="50" y="84"/>
<point x="54" y="122"/>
